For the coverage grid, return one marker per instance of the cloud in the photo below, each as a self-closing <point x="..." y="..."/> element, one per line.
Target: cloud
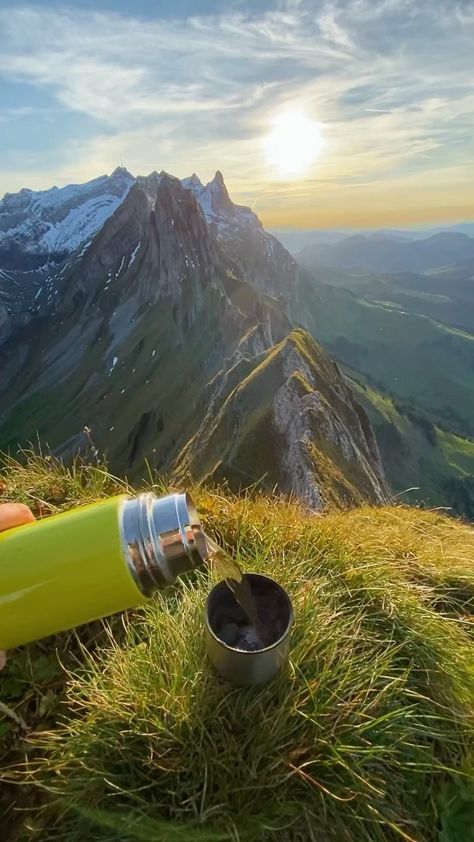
<point x="111" y="67"/>
<point x="389" y="79"/>
<point x="9" y="115"/>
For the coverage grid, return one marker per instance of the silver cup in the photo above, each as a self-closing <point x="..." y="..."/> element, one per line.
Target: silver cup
<point x="260" y="662"/>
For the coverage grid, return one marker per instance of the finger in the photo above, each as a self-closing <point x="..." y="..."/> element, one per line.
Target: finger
<point x="14" y="514"/>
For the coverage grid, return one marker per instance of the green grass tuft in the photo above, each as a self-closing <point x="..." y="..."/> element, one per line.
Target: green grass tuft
<point x="367" y="734"/>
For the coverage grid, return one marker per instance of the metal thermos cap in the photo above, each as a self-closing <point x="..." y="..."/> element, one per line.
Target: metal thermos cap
<point x="162" y="537"/>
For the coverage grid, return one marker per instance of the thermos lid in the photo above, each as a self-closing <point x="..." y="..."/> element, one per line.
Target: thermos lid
<point x="162" y="538"/>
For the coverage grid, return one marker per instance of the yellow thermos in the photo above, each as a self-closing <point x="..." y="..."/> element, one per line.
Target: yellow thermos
<point x="87" y="563"/>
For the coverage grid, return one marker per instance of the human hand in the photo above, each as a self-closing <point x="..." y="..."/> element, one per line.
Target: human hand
<point x="13" y="514"/>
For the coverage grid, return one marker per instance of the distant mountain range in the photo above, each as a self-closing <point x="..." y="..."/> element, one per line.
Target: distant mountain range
<point x="156" y="313"/>
<point x="297" y="240"/>
<point x="381" y="254"/>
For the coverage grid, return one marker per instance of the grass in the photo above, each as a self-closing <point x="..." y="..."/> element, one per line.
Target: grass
<point x="366" y="735"/>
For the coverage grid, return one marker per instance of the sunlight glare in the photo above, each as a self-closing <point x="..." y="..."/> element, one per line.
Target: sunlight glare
<point x="294" y="143"/>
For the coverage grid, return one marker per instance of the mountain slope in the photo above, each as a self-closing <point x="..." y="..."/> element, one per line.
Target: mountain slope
<point x="423" y="462"/>
<point x="407" y="344"/>
<point x="411" y="356"/>
<point x="39" y="230"/>
<point x="444" y="295"/>
<point x="291" y="421"/>
<point x="144" y="329"/>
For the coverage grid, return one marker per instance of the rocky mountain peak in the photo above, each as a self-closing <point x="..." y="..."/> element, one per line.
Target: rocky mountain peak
<point x="54" y="222"/>
<point x="218" y="196"/>
<point x="192" y="182"/>
<point x="154" y="244"/>
<point x="121" y="172"/>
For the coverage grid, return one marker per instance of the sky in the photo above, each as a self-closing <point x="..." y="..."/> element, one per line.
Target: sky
<point x="371" y="100"/>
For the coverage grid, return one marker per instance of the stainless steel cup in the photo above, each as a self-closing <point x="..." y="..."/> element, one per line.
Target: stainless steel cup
<point x="241" y="666"/>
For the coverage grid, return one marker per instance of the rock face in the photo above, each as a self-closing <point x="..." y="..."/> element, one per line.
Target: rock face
<point x="240" y="233"/>
<point x="167" y="335"/>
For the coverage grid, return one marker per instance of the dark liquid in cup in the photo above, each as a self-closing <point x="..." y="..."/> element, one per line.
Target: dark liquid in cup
<point x="227" y="568"/>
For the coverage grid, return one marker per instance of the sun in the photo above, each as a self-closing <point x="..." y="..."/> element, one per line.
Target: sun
<point x="294" y="143"/>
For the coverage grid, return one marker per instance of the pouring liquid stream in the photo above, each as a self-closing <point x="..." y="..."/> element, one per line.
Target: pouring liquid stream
<point x="227" y="568"/>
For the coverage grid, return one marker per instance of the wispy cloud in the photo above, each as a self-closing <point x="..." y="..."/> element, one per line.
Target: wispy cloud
<point x="389" y="79"/>
<point x="9" y="115"/>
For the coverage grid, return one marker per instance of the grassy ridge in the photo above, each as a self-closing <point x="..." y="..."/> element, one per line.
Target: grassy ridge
<point x="240" y="440"/>
<point x="366" y="736"/>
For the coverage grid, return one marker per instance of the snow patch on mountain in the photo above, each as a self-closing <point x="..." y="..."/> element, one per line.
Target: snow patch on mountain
<point x="220" y="212"/>
<point x="60" y="220"/>
<point x="134" y="254"/>
<point x="80" y="224"/>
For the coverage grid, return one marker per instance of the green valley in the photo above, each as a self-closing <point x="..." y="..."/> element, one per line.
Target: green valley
<point x="413" y="373"/>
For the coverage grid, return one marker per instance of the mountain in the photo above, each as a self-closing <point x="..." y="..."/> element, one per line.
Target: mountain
<point x="39" y="230"/>
<point x="57" y="221"/>
<point x="266" y="264"/>
<point x="296" y="240"/>
<point x="382" y="254"/>
<point x="290" y="417"/>
<point x="165" y="334"/>
<point x="460" y="228"/>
